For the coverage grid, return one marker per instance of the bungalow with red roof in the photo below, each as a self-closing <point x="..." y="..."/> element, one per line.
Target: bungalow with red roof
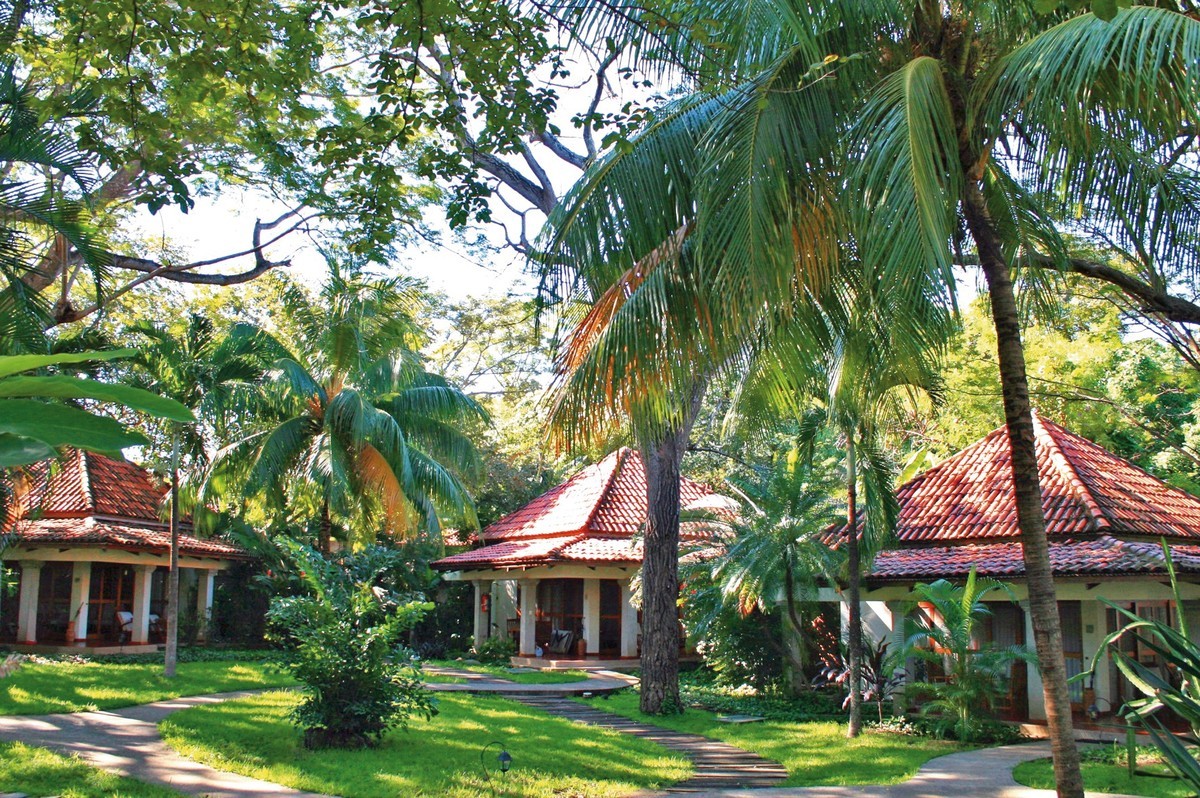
<point x="1105" y="518"/>
<point x="92" y="555"/>
<point x="568" y="559"/>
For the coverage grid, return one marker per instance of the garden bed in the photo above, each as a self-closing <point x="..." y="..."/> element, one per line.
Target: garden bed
<point x="551" y="756"/>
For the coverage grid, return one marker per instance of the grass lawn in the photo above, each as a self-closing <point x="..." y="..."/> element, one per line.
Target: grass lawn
<point x="815" y="753"/>
<point x="37" y="771"/>
<point x="551" y="756"/>
<point x="38" y="689"/>
<point x="501" y="672"/>
<point x="1105" y="777"/>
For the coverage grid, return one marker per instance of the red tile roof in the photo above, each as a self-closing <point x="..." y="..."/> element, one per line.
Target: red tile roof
<point x="87" y="499"/>
<point x="591" y="518"/>
<point x="607" y="499"/>
<point x="83" y="484"/>
<point x="1104" y="515"/>
<point x="1086" y="490"/>
<point x="111" y="535"/>
<point x="1100" y="556"/>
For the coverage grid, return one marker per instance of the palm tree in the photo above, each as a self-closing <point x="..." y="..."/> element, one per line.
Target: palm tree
<point x="776" y="551"/>
<point x="949" y="124"/>
<point x="360" y="434"/>
<point x="216" y="377"/>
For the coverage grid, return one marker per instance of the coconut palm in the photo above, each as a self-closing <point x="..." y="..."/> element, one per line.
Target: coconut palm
<point x="954" y="126"/>
<point x="360" y="435"/>
<point x="214" y="376"/>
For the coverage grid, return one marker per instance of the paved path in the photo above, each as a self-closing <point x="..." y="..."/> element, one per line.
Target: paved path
<point x="126" y="741"/>
<point x="986" y="773"/>
<point x="475" y="682"/>
<point x="718" y="765"/>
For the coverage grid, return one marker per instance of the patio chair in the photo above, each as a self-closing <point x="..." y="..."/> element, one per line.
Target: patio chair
<point x="125" y="626"/>
<point x="560" y="641"/>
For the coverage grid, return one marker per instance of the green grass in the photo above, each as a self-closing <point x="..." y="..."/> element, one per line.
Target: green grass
<point x="37" y="771"/>
<point x="815" y="753"/>
<point x="1104" y="777"/>
<point x="551" y="756"/>
<point x="38" y="689"/>
<point x="501" y="672"/>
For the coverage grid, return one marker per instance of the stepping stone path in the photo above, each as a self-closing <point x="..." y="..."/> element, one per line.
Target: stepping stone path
<point x="719" y="766"/>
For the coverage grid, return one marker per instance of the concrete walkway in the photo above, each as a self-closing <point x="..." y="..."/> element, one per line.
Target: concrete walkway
<point x="986" y="773"/>
<point x="126" y="741"/>
<point x="474" y="682"/>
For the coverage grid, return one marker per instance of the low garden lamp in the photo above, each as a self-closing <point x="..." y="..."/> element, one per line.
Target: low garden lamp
<point x="505" y="761"/>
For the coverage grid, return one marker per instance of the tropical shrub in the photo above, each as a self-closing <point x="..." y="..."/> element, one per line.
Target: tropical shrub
<point x="496" y="651"/>
<point x="341" y="639"/>
<point x="974" y="673"/>
<point x="1174" y="686"/>
<point x="881" y="676"/>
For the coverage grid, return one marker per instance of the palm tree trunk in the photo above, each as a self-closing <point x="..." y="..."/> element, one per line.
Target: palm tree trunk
<point x="325" y="530"/>
<point x="793" y="643"/>
<point x="171" y="655"/>
<point x="853" y="590"/>
<point x="1039" y="578"/>
<point x="660" y="564"/>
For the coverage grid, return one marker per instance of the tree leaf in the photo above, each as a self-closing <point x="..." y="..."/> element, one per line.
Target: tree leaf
<point x="59" y="425"/>
<point x="1105" y="9"/>
<point x="15" y="364"/>
<point x="17" y="450"/>
<point x="60" y="387"/>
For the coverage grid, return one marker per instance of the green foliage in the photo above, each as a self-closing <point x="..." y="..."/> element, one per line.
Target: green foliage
<point x="974" y="675"/>
<point x="342" y="640"/>
<point x="496" y="651"/>
<point x="357" y="433"/>
<point x="710" y="692"/>
<point x="1178" y="692"/>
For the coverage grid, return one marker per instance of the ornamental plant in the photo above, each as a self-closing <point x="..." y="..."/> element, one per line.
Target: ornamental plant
<point x="341" y="638"/>
<point x="947" y="638"/>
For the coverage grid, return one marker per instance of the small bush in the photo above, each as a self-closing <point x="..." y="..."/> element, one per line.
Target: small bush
<point x="496" y="651"/>
<point x="342" y="642"/>
<point x="699" y="690"/>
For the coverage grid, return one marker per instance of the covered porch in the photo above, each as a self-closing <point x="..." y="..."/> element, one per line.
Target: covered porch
<point x="107" y="601"/>
<point x="559" y="616"/>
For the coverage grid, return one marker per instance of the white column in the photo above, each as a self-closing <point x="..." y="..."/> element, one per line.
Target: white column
<point x="1094" y="632"/>
<point x="591" y="615"/>
<point x="27" y="603"/>
<point x="81" y="590"/>
<point x="629" y="622"/>
<point x="528" y="617"/>
<point x="206" y="582"/>
<point x="140" y="631"/>
<point x="896" y="640"/>
<point x="1037" y="700"/>
<point x="483" y="587"/>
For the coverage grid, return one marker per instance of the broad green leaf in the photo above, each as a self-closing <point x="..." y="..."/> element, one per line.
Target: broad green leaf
<point x="59" y="425"/>
<point x="15" y="364"/>
<point x="17" y="450"/>
<point x="1105" y="9"/>
<point x="58" y="387"/>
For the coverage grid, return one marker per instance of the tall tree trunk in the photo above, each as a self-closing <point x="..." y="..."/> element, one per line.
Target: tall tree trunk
<point x="325" y="530"/>
<point x="1039" y="578"/>
<point x="853" y="589"/>
<point x="793" y="633"/>
<point x="171" y="656"/>
<point x="660" y="563"/>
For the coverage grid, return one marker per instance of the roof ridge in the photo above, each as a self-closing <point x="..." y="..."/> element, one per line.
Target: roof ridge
<point x="620" y="456"/>
<point x="1074" y="479"/>
<point x="85" y="480"/>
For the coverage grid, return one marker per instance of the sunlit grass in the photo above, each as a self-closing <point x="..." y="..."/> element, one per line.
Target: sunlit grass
<point x="551" y="756"/>
<point x="77" y="687"/>
<point x="36" y="771"/>
<point x="1104" y="777"/>
<point x="501" y="672"/>
<point x="815" y="753"/>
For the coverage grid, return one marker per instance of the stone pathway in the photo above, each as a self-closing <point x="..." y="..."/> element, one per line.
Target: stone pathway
<point x="719" y="766"/>
<point x="986" y="773"/>
<point x="126" y="741"/>
<point x="475" y="682"/>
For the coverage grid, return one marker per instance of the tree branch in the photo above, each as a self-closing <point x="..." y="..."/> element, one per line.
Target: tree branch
<point x="1150" y="299"/>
